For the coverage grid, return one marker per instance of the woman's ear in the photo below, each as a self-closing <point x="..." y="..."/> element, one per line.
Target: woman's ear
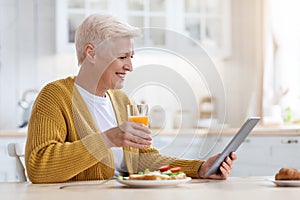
<point x="90" y="53"/>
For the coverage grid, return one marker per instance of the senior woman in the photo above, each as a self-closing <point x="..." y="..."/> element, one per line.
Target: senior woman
<point x="78" y="128"/>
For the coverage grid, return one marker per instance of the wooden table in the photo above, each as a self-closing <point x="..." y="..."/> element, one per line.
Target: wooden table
<point x="253" y="188"/>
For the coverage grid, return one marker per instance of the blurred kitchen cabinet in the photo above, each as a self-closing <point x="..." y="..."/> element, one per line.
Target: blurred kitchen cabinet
<point x="285" y="152"/>
<point x="257" y="156"/>
<point x="254" y="157"/>
<point x="183" y="146"/>
<point x="69" y="14"/>
<point x="265" y="155"/>
<point x="188" y="146"/>
<point x="207" y="22"/>
<point x="8" y="164"/>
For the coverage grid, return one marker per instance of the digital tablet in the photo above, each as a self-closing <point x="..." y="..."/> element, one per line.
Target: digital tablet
<point x="233" y="145"/>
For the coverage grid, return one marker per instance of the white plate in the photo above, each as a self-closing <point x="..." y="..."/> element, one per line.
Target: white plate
<point x="287" y="183"/>
<point x="153" y="183"/>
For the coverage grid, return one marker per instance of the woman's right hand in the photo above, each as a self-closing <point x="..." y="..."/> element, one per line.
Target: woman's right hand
<point x="129" y="134"/>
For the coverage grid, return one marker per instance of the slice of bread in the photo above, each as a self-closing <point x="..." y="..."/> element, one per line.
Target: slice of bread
<point x="156" y="176"/>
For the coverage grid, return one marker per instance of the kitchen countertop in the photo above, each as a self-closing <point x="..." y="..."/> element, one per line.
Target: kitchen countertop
<point x="257" y="131"/>
<point x="233" y="188"/>
<point x="13" y="133"/>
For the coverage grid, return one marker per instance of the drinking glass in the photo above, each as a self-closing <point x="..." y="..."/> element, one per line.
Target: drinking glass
<point x="138" y="113"/>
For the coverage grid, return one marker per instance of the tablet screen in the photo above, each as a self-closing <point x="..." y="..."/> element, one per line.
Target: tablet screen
<point x="233" y="145"/>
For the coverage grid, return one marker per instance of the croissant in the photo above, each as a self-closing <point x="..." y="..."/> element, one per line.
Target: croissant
<point x="288" y="174"/>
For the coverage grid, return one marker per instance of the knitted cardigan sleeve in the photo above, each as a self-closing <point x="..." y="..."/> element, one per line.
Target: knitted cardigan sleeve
<point x="62" y="142"/>
<point x="150" y="158"/>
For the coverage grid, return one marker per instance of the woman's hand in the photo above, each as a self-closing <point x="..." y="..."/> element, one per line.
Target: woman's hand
<point x="225" y="167"/>
<point x="129" y="134"/>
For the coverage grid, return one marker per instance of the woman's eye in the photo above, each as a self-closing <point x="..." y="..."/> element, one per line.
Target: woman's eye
<point x="124" y="57"/>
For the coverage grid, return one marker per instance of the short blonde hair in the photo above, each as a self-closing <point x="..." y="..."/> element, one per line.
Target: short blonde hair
<point x="97" y="28"/>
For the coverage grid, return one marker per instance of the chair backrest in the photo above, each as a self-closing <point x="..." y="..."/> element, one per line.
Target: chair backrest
<point x="17" y="150"/>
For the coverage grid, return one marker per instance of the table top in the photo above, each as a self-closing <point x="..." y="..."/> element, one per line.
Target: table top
<point x="232" y="188"/>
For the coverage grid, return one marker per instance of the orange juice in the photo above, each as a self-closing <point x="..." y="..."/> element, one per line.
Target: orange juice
<point x="140" y="119"/>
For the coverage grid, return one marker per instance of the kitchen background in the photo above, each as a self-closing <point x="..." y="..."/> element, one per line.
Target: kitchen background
<point x="34" y="50"/>
<point x="254" y="45"/>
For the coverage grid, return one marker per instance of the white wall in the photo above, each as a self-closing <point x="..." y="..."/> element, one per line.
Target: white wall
<point x="27" y="54"/>
<point x="28" y="58"/>
<point x="242" y="72"/>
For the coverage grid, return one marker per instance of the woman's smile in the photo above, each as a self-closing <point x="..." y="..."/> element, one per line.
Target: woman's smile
<point x="121" y="75"/>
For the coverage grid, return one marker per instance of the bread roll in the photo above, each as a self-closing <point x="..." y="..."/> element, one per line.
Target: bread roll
<point x="288" y="174"/>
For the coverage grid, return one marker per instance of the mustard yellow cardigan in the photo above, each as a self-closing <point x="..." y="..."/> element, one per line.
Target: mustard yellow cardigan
<point x="65" y="144"/>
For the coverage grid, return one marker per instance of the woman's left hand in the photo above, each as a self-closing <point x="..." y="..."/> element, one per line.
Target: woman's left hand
<point x="225" y="167"/>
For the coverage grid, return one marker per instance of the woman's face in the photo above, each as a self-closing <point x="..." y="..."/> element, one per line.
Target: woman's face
<point x="119" y="64"/>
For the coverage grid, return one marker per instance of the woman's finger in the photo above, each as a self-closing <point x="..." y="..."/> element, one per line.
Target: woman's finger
<point x="224" y="173"/>
<point x="136" y="129"/>
<point x="226" y="166"/>
<point x="139" y="130"/>
<point x="139" y="126"/>
<point x="129" y="143"/>
<point x="136" y="139"/>
<point x="229" y="162"/>
<point x="140" y="134"/>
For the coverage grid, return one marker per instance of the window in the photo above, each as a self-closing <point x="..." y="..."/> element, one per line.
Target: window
<point x="282" y="64"/>
<point x="148" y="13"/>
<point x="206" y="21"/>
<point x="70" y="13"/>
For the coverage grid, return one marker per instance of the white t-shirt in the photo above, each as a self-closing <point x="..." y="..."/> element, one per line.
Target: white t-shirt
<point x="104" y="115"/>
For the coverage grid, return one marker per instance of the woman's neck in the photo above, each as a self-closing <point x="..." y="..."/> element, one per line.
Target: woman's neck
<point x="90" y="81"/>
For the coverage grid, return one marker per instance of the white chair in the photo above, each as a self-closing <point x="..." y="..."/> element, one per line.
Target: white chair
<point x="17" y="150"/>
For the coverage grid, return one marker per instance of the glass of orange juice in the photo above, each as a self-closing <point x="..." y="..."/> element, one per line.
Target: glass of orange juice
<point x="138" y="113"/>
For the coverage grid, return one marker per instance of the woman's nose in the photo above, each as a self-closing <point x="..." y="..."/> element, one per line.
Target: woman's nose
<point x="128" y="65"/>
